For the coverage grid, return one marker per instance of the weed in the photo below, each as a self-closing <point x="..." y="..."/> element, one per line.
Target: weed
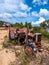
<point x="17" y="54"/>
<point x="5" y="36"/>
<point x="5" y="45"/>
<point x="47" y="48"/>
<point x="14" y="42"/>
<point x="25" y="60"/>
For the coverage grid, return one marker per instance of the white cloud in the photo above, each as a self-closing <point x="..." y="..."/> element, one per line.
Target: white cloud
<point x="5" y="15"/>
<point x="41" y="19"/>
<point x="44" y="12"/>
<point x="15" y="6"/>
<point x="24" y="6"/>
<point x="41" y="15"/>
<point x="34" y="13"/>
<point x="11" y="5"/>
<point x="45" y="2"/>
<point x="39" y="2"/>
<point x="13" y="1"/>
<point x="20" y="14"/>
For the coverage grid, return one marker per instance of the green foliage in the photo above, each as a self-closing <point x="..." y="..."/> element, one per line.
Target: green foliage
<point x="18" y="25"/>
<point x="1" y="23"/>
<point x="28" y="25"/>
<point x="17" y="54"/>
<point x="37" y="29"/>
<point x="11" y="25"/>
<point x="14" y="42"/>
<point x="45" y="24"/>
<point x="5" y="45"/>
<point x="25" y="60"/>
<point x="21" y="25"/>
<point x="42" y="31"/>
<point x="45" y="34"/>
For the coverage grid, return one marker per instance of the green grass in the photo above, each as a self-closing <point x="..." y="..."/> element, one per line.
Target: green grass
<point x="25" y="59"/>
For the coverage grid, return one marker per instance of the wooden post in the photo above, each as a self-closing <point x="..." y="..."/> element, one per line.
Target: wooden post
<point x="27" y="34"/>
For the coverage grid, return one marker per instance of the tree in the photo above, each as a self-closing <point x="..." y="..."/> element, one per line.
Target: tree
<point x="1" y="23"/>
<point x="45" y="24"/>
<point x="28" y="25"/>
<point x="21" y="25"/>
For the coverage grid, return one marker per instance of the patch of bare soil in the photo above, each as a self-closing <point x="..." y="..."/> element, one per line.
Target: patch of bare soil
<point x="6" y="55"/>
<point x="3" y="33"/>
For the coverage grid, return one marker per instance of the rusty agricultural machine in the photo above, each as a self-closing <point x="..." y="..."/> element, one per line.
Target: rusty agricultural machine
<point x="26" y="36"/>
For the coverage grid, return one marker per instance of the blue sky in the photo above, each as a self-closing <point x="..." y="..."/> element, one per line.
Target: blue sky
<point x="34" y="11"/>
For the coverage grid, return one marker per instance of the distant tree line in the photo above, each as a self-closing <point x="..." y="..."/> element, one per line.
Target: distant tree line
<point x="44" y="24"/>
<point x="21" y="25"/>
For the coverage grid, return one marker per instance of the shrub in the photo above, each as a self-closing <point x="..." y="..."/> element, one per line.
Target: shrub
<point x="14" y="42"/>
<point x="25" y="60"/>
<point x="5" y="45"/>
<point x="42" y="31"/>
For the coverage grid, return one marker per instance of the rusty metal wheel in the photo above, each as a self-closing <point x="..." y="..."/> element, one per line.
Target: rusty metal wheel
<point x="28" y="50"/>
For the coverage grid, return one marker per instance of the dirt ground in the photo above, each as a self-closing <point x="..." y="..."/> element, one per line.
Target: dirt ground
<point x="7" y="55"/>
<point x="3" y="33"/>
<point x="5" y="58"/>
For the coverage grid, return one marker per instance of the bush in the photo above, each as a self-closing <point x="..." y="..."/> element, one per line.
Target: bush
<point x="25" y="60"/>
<point x="14" y="42"/>
<point x="42" y="31"/>
<point x="5" y="45"/>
